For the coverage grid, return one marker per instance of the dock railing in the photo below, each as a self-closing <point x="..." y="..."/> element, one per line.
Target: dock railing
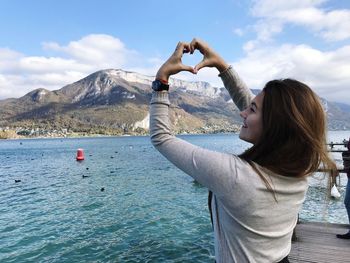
<point x="345" y="155"/>
<point x="315" y="242"/>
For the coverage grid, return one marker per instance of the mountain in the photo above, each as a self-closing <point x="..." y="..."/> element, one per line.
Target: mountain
<point x="115" y="101"/>
<point x="338" y="118"/>
<point x="343" y="106"/>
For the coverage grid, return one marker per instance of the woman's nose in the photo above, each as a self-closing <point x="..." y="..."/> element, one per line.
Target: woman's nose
<point x="242" y="114"/>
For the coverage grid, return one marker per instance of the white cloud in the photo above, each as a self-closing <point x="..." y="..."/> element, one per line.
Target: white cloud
<point x="8" y="59"/>
<point x="20" y="74"/>
<point x="51" y="64"/>
<point x="98" y="49"/>
<point x="331" y="25"/>
<point x="149" y="66"/>
<point x="238" y="32"/>
<point x="328" y="73"/>
<point x="267" y="7"/>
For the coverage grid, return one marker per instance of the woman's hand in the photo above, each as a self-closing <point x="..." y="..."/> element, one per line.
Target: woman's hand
<point x="210" y="57"/>
<point x="174" y="64"/>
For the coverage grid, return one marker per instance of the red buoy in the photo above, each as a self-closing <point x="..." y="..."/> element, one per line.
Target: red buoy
<point x="80" y="155"/>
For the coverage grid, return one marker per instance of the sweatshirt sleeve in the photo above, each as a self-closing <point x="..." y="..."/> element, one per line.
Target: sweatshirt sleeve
<point x="214" y="170"/>
<point x="239" y="92"/>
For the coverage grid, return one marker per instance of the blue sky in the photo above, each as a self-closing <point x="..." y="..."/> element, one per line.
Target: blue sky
<point x="49" y="44"/>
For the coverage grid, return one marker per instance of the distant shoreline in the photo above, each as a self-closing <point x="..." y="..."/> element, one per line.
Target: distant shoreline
<point x="12" y="134"/>
<point x="103" y="136"/>
<point x="80" y="136"/>
<point x="65" y="137"/>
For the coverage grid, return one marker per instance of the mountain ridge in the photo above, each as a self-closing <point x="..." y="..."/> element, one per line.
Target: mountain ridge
<point x="114" y="101"/>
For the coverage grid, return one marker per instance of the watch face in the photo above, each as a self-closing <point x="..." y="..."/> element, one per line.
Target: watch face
<point x="157" y="85"/>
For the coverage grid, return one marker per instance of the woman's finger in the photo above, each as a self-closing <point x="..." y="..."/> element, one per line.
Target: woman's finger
<point x="197" y="44"/>
<point x="193" y="45"/>
<point x="186" y="50"/>
<point x="187" y="68"/>
<point x="200" y="65"/>
<point x="181" y="48"/>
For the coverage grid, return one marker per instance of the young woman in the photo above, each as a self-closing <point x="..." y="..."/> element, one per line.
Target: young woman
<point x="256" y="195"/>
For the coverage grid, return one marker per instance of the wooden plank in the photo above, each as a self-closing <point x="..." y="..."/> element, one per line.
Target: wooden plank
<point x="317" y="243"/>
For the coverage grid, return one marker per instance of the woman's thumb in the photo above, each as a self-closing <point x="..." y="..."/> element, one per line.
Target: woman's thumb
<point x="199" y="66"/>
<point x="188" y="68"/>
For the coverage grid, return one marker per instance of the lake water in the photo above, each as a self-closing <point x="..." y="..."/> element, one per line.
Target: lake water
<point x="149" y="211"/>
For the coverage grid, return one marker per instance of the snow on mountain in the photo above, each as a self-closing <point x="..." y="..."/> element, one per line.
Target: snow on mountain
<point x="129" y="76"/>
<point x="201" y="87"/>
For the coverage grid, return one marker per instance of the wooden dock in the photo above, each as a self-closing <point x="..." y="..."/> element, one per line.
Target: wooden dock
<point x="317" y="243"/>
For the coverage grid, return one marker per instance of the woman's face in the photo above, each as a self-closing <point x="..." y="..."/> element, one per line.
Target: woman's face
<point x="252" y="120"/>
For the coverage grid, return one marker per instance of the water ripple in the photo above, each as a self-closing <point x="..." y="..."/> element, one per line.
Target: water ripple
<point x="148" y="210"/>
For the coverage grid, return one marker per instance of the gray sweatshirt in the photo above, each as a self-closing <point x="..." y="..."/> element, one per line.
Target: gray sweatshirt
<point x="249" y="225"/>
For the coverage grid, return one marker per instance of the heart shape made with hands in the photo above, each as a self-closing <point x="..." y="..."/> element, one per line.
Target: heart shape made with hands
<point x="192" y="60"/>
<point x="177" y="62"/>
<point x="209" y="57"/>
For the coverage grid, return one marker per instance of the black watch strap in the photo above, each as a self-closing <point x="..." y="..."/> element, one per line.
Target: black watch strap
<point x="158" y="85"/>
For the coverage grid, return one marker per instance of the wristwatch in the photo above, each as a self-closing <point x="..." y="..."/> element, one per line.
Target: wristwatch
<point x="160" y="85"/>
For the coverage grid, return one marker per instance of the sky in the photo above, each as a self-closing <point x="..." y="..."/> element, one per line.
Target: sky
<point x="49" y="44"/>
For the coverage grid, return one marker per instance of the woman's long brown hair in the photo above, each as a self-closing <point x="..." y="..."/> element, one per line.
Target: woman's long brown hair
<point x="293" y="140"/>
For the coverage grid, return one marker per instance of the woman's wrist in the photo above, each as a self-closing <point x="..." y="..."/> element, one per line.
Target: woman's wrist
<point x="222" y="66"/>
<point x="162" y="75"/>
<point x="163" y="78"/>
